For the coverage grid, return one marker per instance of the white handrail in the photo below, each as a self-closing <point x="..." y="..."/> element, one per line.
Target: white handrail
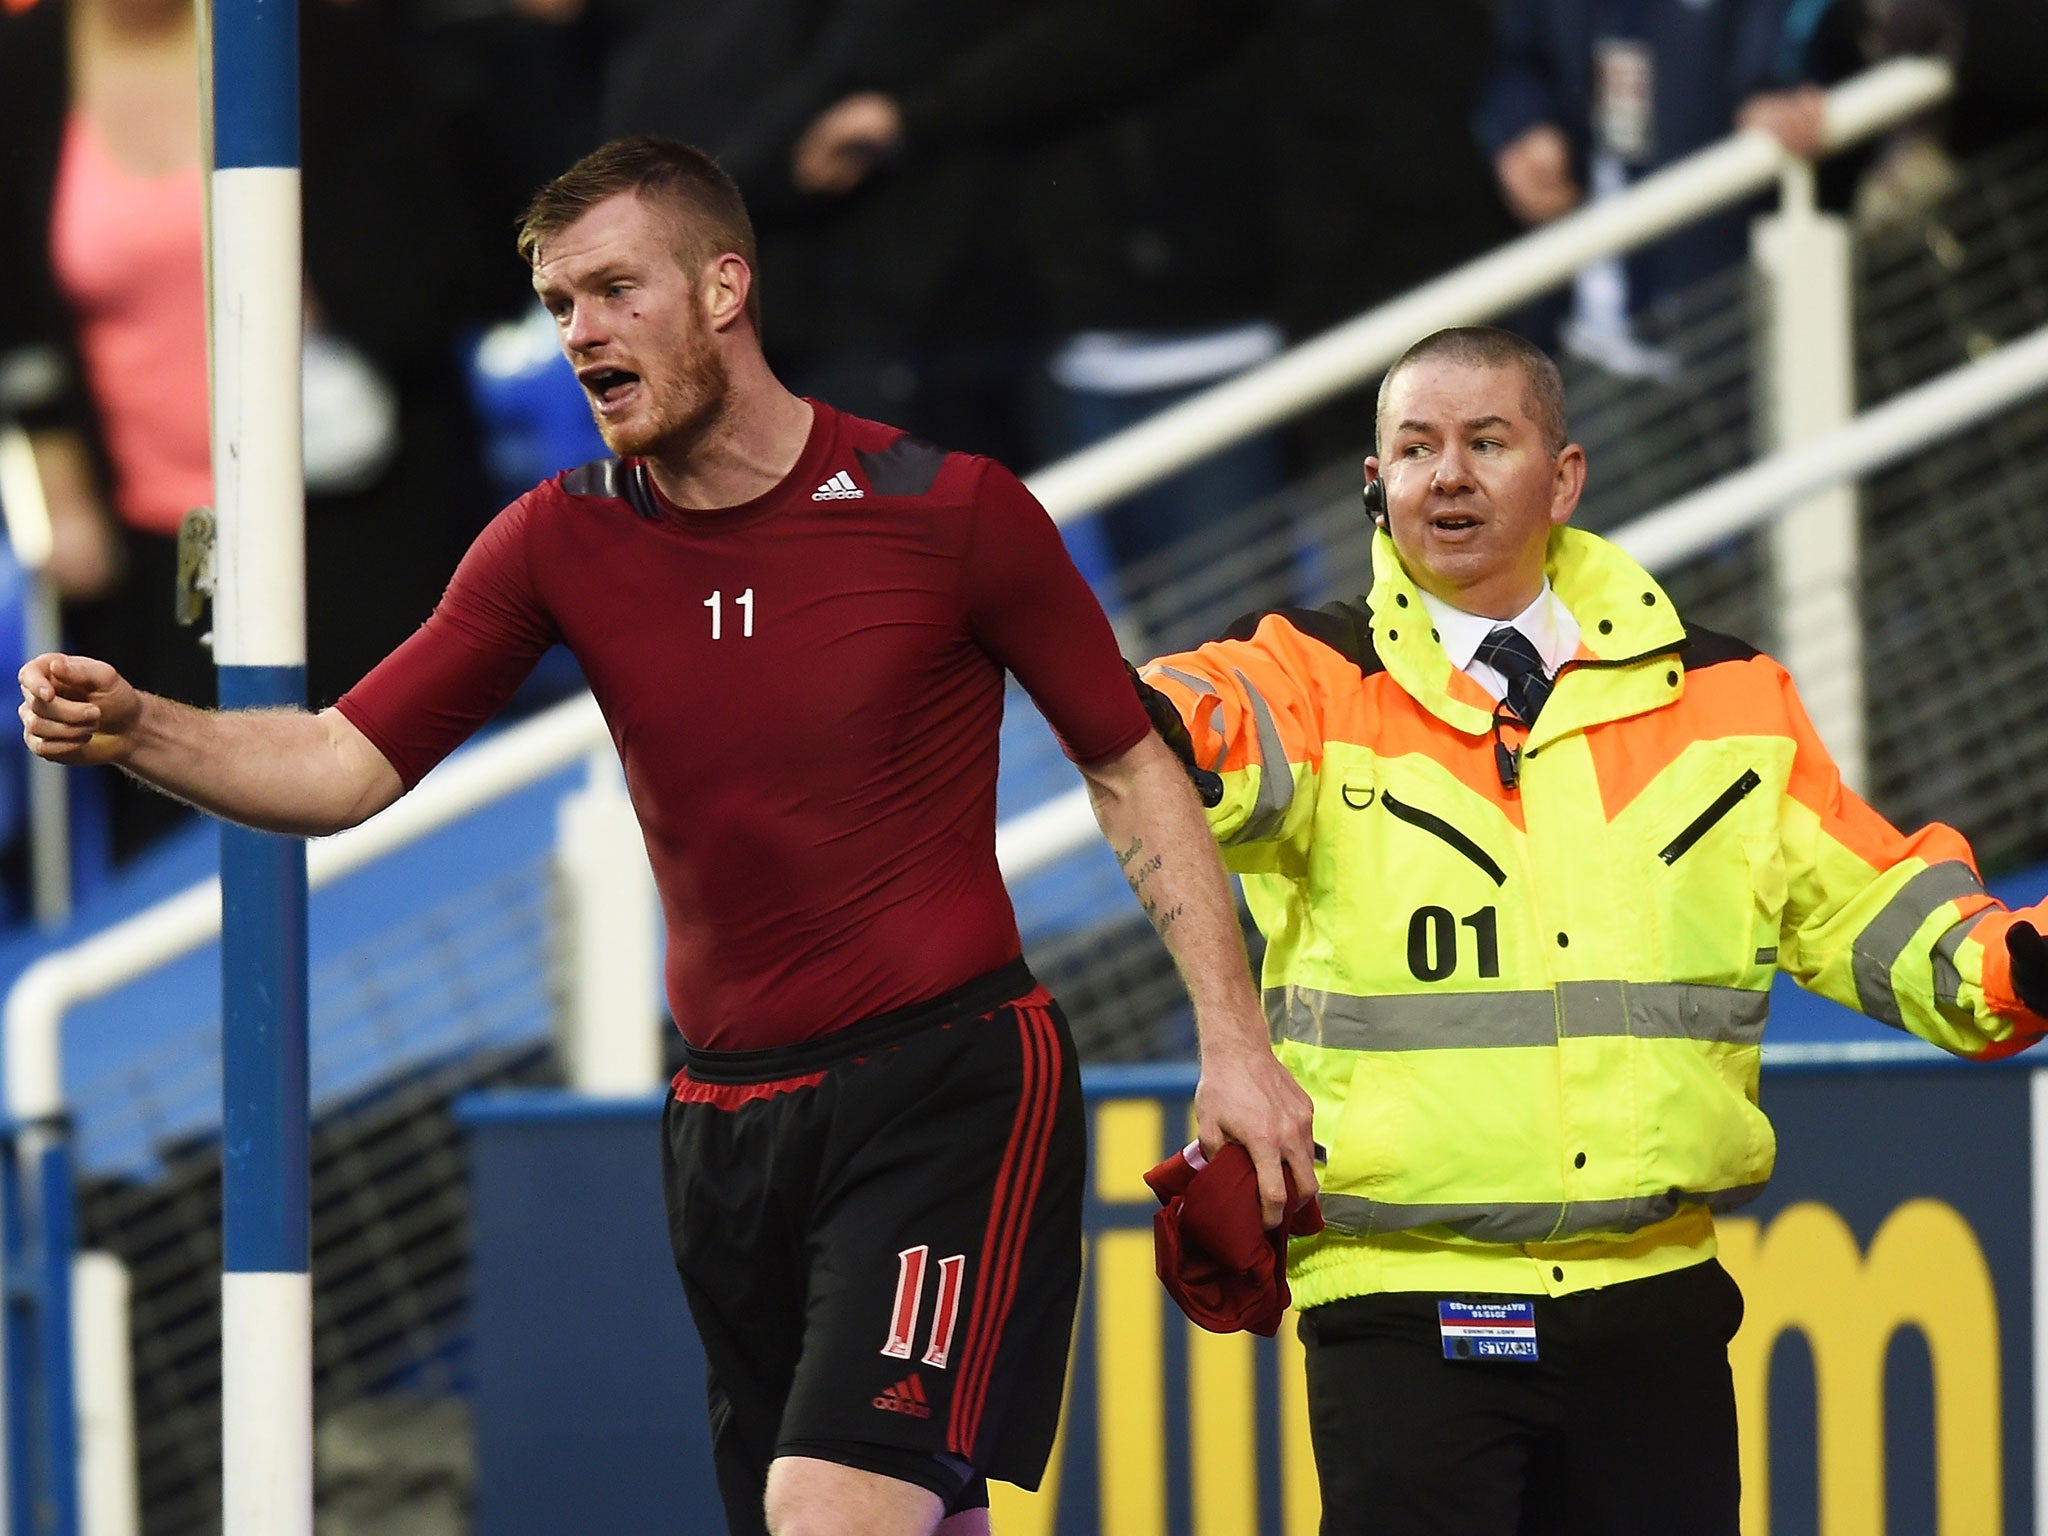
<point x="116" y="955"/>
<point x="1880" y="436"/>
<point x="1351" y="353"/>
<point x="1045" y="834"/>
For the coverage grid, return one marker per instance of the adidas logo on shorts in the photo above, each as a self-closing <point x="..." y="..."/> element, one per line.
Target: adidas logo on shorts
<point x="839" y="488"/>
<point x="907" y="1396"/>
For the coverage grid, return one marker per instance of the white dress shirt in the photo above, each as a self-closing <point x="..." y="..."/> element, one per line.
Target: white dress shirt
<point x="1548" y="624"/>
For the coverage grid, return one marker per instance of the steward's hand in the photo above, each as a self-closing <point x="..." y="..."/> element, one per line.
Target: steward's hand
<point x="2028" y="952"/>
<point x="1246" y="1096"/>
<point x="845" y="143"/>
<point x="76" y="710"/>
<point x="1173" y="731"/>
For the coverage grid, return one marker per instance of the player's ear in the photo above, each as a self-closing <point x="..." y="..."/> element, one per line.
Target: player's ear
<point x="727" y="282"/>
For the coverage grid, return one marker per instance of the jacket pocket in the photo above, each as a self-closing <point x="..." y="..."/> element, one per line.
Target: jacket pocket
<point x="1369" y="1142"/>
<point x="1437" y="827"/>
<point x="1448" y="1136"/>
<point x="1701" y="1131"/>
<point x="1704" y="823"/>
<point x="1707" y="872"/>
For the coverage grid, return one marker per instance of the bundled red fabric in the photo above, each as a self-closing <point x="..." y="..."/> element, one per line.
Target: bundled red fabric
<point x="1214" y="1257"/>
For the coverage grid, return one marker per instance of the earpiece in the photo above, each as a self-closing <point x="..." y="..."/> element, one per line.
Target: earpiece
<point x="1375" y="495"/>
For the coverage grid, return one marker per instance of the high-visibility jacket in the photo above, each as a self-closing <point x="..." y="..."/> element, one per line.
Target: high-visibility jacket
<point x="1524" y="974"/>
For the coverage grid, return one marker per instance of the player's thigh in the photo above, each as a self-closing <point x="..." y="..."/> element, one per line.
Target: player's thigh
<point x="1408" y="1443"/>
<point x="744" y="1275"/>
<point x="810" y="1497"/>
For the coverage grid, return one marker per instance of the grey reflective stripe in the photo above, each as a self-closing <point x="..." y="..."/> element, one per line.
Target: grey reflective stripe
<point x="1417" y="1022"/>
<point x="1187" y="680"/>
<point x="1885" y="938"/>
<point x="1276" y="774"/>
<point x="1207" y="689"/>
<point x="1662" y="1010"/>
<point x="1525" y="1223"/>
<point x="1948" y="981"/>
<point x="1665" y="1010"/>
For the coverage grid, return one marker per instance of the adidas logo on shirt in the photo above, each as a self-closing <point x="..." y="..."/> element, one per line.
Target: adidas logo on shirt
<point x="907" y="1396"/>
<point x="839" y="488"/>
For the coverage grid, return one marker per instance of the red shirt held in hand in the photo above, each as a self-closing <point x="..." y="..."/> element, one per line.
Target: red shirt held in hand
<point x="1214" y="1255"/>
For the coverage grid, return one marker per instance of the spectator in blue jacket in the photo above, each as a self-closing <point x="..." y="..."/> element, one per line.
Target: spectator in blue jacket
<point x="1586" y="96"/>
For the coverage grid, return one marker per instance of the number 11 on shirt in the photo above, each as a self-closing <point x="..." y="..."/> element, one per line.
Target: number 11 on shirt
<point x="744" y="602"/>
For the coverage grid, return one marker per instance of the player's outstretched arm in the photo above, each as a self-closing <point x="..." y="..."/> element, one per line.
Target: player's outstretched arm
<point x="277" y="770"/>
<point x="1149" y="813"/>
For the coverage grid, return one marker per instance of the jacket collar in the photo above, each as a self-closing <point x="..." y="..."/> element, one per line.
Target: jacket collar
<point x="1629" y="636"/>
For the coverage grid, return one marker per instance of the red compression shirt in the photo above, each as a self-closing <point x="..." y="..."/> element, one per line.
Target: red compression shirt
<point x="806" y="693"/>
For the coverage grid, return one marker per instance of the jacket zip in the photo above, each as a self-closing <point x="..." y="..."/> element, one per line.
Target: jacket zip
<point x="1507" y="761"/>
<point x="1449" y="833"/>
<point x="1702" y="823"/>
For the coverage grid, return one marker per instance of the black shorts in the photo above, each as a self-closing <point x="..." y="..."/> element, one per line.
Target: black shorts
<point x="879" y="1233"/>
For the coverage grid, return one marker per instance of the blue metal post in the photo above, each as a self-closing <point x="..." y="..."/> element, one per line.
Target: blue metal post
<point x="22" y="1405"/>
<point x="259" y="643"/>
<point x="53" y="1328"/>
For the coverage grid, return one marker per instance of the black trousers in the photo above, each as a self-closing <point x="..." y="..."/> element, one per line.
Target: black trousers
<point x="1624" y="1427"/>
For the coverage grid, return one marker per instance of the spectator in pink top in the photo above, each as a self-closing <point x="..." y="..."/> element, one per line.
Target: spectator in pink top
<point x="103" y="340"/>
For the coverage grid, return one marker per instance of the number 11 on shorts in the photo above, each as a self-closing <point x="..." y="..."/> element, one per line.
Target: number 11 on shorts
<point x="910" y="1268"/>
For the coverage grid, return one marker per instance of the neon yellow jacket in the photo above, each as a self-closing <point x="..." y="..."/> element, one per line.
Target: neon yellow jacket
<point x="1530" y="1017"/>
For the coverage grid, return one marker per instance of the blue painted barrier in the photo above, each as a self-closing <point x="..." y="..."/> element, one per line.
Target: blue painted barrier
<point x="42" y="1401"/>
<point x="1893" y="1249"/>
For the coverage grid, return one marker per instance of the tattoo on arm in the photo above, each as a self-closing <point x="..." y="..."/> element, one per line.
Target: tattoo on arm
<point x="1139" y="874"/>
<point x="1162" y="920"/>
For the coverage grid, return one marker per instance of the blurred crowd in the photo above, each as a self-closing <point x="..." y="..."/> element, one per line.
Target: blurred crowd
<point x="1011" y="226"/>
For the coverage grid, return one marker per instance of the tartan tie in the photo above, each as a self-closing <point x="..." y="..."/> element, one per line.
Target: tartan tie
<point x="1511" y="653"/>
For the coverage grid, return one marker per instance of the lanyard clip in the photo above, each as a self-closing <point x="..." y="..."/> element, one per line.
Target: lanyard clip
<point x="1508" y="763"/>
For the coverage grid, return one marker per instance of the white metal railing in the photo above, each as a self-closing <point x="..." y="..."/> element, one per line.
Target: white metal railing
<point x="29" y="536"/>
<point x="53" y="984"/>
<point x="1880" y="436"/>
<point x="1349" y="354"/>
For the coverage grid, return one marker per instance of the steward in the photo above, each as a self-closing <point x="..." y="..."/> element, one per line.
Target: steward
<point x="1527" y="850"/>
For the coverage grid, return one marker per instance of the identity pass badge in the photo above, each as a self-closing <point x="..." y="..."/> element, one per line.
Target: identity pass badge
<point x="1487" y="1330"/>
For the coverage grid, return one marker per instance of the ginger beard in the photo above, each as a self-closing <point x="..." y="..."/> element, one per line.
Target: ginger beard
<point x="682" y="402"/>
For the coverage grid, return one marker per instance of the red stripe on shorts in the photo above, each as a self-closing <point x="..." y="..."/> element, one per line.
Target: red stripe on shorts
<point x="732" y="1095"/>
<point x="1009" y="1217"/>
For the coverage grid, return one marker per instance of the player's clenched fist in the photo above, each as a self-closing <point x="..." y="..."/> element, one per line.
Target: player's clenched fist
<point x="75" y="709"/>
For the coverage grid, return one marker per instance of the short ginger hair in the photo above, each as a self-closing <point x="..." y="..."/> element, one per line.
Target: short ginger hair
<point x="703" y="204"/>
